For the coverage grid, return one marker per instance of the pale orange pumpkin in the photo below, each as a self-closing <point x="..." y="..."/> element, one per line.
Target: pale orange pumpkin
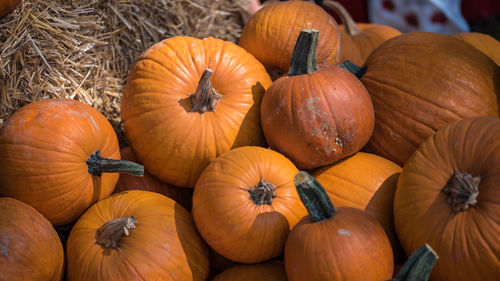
<point x="483" y="42"/>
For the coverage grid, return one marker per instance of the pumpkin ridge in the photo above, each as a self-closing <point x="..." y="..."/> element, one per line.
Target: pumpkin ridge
<point x="401" y="136"/>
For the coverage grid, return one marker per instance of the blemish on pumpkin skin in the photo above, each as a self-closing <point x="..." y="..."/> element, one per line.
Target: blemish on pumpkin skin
<point x="4" y="244"/>
<point x="342" y="232"/>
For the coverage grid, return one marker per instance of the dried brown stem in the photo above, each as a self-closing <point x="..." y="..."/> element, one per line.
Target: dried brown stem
<point x="110" y="233"/>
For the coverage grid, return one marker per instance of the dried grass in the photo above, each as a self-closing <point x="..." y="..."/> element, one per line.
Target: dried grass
<point x="83" y="49"/>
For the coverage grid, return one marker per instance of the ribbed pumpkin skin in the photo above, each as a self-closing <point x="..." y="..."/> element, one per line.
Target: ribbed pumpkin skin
<point x="164" y="245"/>
<point x="483" y="42"/>
<point x="349" y="246"/>
<point x="175" y="145"/>
<point x="367" y="182"/>
<point x="29" y="246"/>
<point x="44" y="148"/>
<point x="227" y="218"/>
<point x="420" y="82"/>
<point x="466" y="242"/>
<point x="318" y="118"/>
<point x="271" y="33"/>
<point x="148" y="182"/>
<point x="7" y="5"/>
<point x="270" y="271"/>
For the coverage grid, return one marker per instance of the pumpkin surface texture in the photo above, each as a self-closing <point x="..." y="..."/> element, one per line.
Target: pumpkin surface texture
<point x="316" y="115"/>
<point x="448" y="196"/>
<point x="29" y="246"/>
<point x="55" y="158"/>
<point x="271" y="32"/>
<point x="483" y="42"/>
<point x="269" y="271"/>
<point x="245" y="204"/>
<point x="189" y="100"/>
<point x="419" y="82"/>
<point x="136" y="235"/>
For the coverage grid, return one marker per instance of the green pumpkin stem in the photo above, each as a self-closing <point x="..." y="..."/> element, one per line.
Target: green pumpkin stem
<point x="314" y="197"/>
<point x="205" y="98"/>
<point x="419" y="265"/>
<point x="262" y="193"/>
<point x="110" y="234"/>
<point x="350" y="25"/>
<point x="304" y="54"/>
<point x="98" y="165"/>
<point x="461" y="191"/>
<point x="356" y="70"/>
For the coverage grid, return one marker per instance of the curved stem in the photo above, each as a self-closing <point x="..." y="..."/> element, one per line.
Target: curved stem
<point x="304" y="54"/>
<point x="356" y="70"/>
<point x="205" y="98"/>
<point x="262" y="193"/>
<point x="98" y="165"/>
<point x="350" y="25"/>
<point x="314" y="197"/>
<point x="110" y="233"/>
<point x="419" y="265"/>
<point x="462" y="191"/>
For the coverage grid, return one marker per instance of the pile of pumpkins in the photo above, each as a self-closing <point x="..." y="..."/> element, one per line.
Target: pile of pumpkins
<point x="309" y="151"/>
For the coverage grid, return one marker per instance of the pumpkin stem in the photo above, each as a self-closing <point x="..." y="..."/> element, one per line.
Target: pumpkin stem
<point x="314" y="197"/>
<point x="419" y="265"/>
<point x="110" y="233"/>
<point x="356" y="70"/>
<point x="350" y="26"/>
<point x="304" y="54"/>
<point x="262" y="193"/>
<point x="98" y="165"/>
<point x="205" y="98"/>
<point x="461" y="191"/>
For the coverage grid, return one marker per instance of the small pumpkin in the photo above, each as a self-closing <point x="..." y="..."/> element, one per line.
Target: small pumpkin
<point x="448" y="196"/>
<point x="189" y="100"/>
<point x="365" y="36"/>
<point x="244" y="204"/>
<point x="316" y="115"/>
<point x="483" y="42"/>
<point x="421" y="81"/>
<point x="271" y="32"/>
<point x="8" y="5"/>
<point x="148" y="182"/>
<point x="136" y="235"/>
<point x="29" y="246"/>
<point x="269" y="271"/>
<point x="60" y="156"/>
<point x="342" y="243"/>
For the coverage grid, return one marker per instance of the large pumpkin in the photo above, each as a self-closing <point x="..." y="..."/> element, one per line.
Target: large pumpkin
<point x="271" y="32"/>
<point x="269" y="271"/>
<point x="420" y="82"/>
<point x="341" y="243"/>
<point x="53" y="157"/>
<point x="245" y="204"/>
<point x="483" y="42"/>
<point x="448" y="196"/>
<point x="176" y="122"/>
<point x="316" y="115"/>
<point x="136" y="235"/>
<point x="368" y="182"/>
<point x="29" y="246"/>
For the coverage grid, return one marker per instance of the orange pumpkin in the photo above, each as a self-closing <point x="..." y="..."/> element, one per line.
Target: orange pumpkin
<point x="316" y="115"/>
<point x="8" y="5"/>
<point x="54" y="154"/>
<point x="148" y="182"/>
<point x="29" y="246"/>
<point x="244" y="204"/>
<point x="448" y="196"/>
<point x="365" y="36"/>
<point x="176" y="122"/>
<point x="483" y="42"/>
<point x="271" y="32"/>
<point x="419" y="82"/>
<point x="136" y="235"/>
<point x="269" y="271"/>
<point x="342" y="243"/>
<point x="368" y="182"/>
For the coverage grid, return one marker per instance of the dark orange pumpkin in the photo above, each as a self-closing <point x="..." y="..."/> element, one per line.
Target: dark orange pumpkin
<point x="148" y="182"/>
<point x="448" y="196"/>
<point x="136" y="235"/>
<point x="316" y="115"/>
<point x="269" y="271"/>
<point x="342" y="243"/>
<point x="420" y="82"/>
<point x="178" y="116"/>
<point x="7" y="5"/>
<point x="29" y="246"/>
<point x="52" y="154"/>
<point x="483" y="42"/>
<point x="245" y="204"/>
<point x="271" y="32"/>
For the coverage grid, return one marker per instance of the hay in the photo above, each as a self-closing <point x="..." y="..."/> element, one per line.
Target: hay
<point x="83" y="49"/>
